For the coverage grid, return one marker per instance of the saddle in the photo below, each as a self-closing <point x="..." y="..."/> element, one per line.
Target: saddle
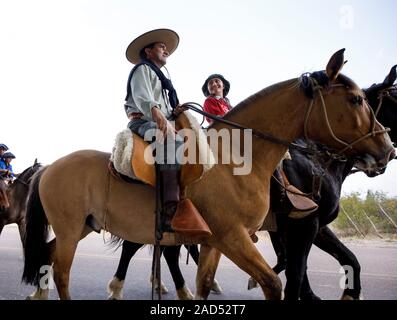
<point x="132" y="156"/>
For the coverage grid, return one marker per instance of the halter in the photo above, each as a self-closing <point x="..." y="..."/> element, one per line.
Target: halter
<point x="385" y="93"/>
<point x="347" y="145"/>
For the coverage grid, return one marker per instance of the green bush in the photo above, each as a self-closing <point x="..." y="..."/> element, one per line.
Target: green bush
<point x="356" y="207"/>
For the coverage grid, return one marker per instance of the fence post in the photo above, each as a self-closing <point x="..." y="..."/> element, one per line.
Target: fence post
<point x="386" y="215"/>
<point x="351" y="221"/>
<point x="373" y="224"/>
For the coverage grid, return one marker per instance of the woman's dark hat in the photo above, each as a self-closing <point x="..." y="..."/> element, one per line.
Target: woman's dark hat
<point x="3" y="146"/>
<point x="8" y="155"/>
<point x="226" y="84"/>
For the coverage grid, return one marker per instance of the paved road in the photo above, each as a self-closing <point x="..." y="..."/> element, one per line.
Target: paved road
<point x="95" y="264"/>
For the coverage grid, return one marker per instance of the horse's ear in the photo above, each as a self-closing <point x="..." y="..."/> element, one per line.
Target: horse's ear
<point x="35" y="162"/>
<point x="391" y="77"/>
<point x="335" y="65"/>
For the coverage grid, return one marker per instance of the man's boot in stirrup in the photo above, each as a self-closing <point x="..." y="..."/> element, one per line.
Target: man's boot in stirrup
<point x="170" y="188"/>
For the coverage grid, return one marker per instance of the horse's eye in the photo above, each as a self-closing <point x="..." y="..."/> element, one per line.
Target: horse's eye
<point x="357" y="101"/>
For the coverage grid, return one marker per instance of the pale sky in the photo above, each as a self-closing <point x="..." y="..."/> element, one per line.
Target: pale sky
<point x="63" y="69"/>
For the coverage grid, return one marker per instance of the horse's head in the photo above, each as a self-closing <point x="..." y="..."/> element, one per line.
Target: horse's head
<point x="383" y="99"/>
<point x="343" y="119"/>
<point x="4" y="204"/>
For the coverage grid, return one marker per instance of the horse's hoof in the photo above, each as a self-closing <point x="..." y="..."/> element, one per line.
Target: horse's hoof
<point x="40" y="294"/>
<point x="216" y="288"/>
<point x="184" y="293"/>
<point x="310" y="297"/>
<point x="115" y="289"/>
<point x="164" y="289"/>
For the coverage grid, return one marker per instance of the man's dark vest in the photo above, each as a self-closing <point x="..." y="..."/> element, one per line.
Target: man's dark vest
<point x="166" y="83"/>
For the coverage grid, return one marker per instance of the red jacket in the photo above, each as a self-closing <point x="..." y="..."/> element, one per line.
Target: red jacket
<point x="217" y="107"/>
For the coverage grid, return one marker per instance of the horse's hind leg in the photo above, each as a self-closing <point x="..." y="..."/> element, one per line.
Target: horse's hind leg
<point x="300" y="237"/>
<point x="327" y="241"/>
<point x="43" y="293"/>
<point x="66" y="245"/>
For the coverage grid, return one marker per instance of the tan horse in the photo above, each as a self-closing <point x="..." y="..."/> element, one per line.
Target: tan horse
<point x="234" y="207"/>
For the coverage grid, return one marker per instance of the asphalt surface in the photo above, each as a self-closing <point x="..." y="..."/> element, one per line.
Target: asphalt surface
<point x="95" y="263"/>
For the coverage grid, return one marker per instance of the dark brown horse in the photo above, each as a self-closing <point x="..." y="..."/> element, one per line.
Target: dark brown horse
<point x="79" y="184"/>
<point x="17" y="193"/>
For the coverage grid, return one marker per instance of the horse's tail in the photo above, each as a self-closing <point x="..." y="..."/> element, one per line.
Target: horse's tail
<point x="36" y="249"/>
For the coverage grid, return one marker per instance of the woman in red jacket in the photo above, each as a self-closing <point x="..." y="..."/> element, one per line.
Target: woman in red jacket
<point x="216" y="88"/>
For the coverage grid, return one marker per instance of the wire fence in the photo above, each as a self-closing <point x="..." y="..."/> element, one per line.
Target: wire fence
<point x="373" y="216"/>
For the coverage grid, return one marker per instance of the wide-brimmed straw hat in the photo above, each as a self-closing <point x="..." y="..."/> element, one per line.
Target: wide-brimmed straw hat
<point x="226" y="84"/>
<point x="168" y="37"/>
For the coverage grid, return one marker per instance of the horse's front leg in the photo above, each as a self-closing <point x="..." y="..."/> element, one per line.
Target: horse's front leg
<point x="208" y="263"/>
<point x="300" y="237"/>
<point x="327" y="241"/>
<point x="306" y="291"/>
<point x="194" y="252"/>
<point x="238" y="247"/>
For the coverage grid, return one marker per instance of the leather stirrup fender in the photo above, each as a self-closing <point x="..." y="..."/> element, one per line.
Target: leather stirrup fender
<point x="188" y="221"/>
<point x="302" y="205"/>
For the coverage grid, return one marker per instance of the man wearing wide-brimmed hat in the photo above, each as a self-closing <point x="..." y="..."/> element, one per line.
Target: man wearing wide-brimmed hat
<point x="150" y="101"/>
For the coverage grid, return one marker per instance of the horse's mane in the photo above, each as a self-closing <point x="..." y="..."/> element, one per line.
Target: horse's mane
<point x="260" y="94"/>
<point x="319" y="76"/>
<point x="25" y="172"/>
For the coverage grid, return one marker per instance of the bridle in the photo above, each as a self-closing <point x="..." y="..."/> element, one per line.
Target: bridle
<point x="385" y="93"/>
<point x="348" y="145"/>
<point x="34" y="168"/>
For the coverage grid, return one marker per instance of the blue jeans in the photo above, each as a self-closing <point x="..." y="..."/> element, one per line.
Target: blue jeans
<point x="168" y="154"/>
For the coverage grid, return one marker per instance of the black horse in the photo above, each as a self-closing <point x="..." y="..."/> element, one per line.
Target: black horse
<point x="295" y="237"/>
<point x="292" y="242"/>
<point x="17" y="193"/>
